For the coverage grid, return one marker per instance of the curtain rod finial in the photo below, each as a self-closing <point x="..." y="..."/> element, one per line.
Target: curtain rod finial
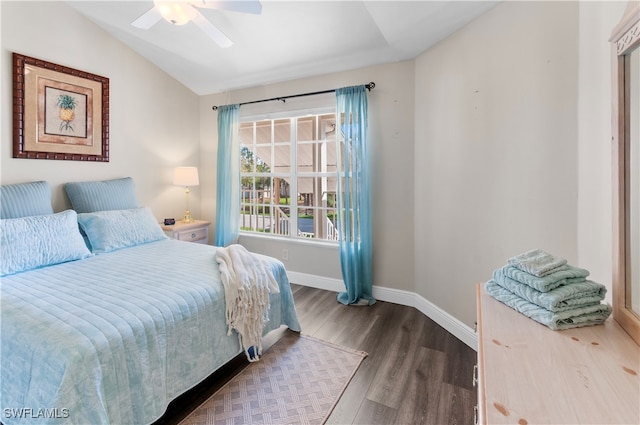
<point x="214" y="107"/>
<point x="371" y="86"/>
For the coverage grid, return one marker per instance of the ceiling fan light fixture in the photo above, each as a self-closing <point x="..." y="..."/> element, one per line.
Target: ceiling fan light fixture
<point x="175" y="12"/>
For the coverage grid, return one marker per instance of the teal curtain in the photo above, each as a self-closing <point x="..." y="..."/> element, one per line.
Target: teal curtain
<point x="228" y="176"/>
<point x="354" y="197"/>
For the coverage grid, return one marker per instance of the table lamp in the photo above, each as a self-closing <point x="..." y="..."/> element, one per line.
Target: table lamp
<point x="186" y="176"/>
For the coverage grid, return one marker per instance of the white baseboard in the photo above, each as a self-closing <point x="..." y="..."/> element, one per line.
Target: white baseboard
<point x="396" y="296"/>
<point x="461" y="331"/>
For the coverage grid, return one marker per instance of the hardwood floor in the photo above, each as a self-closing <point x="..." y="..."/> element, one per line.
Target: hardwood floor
<point x="415" y="371"/>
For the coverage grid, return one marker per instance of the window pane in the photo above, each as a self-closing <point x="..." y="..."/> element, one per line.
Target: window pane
<point x="306" y="129"/>
<point x="331" y="196"/>
<point x="282" y="131"/>
<point x="306" y="190"/>
<point x="282" y="191"/>
<point x="330" y="225"/>
<point x="306" y="157"/>
<point x="252" y="162"/>
<point x="246" y="160"/>
<point x="262" y="156"/>
<point x="263" y="131"/>
<point x="318" y="157"/>
<point x="246" y="133"/>
<point x="282" y="221"/>
<point x="318" y="223"/>
<point x="327" y="126"/>
<point x="282" y="158"/>
<point x="331" y="159"/>
<point x="306" y="223"/>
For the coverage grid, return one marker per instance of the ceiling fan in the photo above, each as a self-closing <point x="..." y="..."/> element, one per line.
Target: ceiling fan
<point x="181" y="12"/>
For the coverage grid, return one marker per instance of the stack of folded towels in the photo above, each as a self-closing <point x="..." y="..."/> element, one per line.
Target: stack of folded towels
<point x="546" y="289"/>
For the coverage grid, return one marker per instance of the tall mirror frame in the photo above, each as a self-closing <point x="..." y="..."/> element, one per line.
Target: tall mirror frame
<point x="625" y="39"/>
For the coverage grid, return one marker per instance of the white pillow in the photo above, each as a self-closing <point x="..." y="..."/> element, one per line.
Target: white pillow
<point x="29" y="243"/>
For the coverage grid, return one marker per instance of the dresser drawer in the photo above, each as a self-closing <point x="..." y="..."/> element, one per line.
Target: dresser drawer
<point x="195" y="235"/>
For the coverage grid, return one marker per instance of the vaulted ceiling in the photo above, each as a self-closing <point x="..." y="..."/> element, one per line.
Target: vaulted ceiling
<point x="287" y="40"/>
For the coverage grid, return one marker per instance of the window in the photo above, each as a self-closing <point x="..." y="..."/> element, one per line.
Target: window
<point x="288" y="177"/>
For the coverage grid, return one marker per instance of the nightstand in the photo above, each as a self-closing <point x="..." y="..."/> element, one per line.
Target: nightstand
<point x="198" y="231"/>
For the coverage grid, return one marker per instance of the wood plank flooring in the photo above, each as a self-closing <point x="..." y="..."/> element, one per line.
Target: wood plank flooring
<point x="415" y="373"/>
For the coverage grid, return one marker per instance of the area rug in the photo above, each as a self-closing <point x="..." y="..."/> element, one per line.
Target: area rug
<point x="298" y="380"/>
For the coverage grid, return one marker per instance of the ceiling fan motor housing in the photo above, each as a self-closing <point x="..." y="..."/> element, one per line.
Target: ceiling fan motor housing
<point x="178" y="13"/>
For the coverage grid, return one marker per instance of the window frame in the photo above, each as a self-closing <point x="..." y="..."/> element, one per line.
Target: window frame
<point x="294" y="174"/>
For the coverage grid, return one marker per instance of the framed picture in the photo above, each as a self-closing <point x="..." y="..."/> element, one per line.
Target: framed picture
<point x="59" y="112"/>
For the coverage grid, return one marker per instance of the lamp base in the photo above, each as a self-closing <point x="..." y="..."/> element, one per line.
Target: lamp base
<point x="187" y="217"/>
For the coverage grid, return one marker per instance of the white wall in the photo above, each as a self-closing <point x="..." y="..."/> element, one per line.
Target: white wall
<point x="496" y="148"/>
<point x="597" y="20"/>
<point x="391" y="131"/>
<point x="154" y="120"/>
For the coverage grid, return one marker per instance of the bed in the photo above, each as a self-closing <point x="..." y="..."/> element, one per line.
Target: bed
<point x="108" y="325"/>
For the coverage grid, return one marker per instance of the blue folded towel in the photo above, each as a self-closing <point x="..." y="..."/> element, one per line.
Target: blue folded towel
<point x="573" y="318"/>
<point x="563" y="275"/>
<point x="537" y="262"/>
<point x="562" y="298"/>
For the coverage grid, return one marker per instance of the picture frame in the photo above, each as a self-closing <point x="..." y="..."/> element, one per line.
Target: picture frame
<point x="59" y="112"/>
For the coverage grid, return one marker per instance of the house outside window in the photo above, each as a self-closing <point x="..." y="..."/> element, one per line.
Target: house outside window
<point x="288" y="177"/>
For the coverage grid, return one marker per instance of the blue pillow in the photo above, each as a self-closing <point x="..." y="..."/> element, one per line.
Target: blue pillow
<point x="116" y="229"/>
<point x="88" y="197"/>
<point x="25" y="199"/>
<point x="29" y="243"/>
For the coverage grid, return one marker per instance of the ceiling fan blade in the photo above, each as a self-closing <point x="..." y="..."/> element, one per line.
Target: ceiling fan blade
<point x="243" y="6"/>
<point x="147" y="19"/>
<point x="211" y="30"/>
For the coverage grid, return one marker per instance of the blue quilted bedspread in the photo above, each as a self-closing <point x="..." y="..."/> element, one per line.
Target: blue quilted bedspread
<point x="115" y="337"/>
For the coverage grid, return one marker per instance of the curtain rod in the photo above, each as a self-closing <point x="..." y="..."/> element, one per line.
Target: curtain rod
<point x="369" y="87"/>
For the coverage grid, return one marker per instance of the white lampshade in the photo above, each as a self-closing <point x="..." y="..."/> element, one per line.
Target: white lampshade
<point x="186" y="176"/>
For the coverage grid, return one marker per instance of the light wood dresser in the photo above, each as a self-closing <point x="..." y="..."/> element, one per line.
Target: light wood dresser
<point x="530" y="374"/>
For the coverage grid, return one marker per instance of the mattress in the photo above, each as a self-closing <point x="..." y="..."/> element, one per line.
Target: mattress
<point x="115" y="337"/>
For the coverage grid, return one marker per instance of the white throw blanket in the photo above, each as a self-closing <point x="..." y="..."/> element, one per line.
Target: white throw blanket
<point x="247" y="281"/>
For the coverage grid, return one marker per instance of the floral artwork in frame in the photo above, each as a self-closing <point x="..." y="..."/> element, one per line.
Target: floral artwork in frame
<point x="59" y="112"/>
